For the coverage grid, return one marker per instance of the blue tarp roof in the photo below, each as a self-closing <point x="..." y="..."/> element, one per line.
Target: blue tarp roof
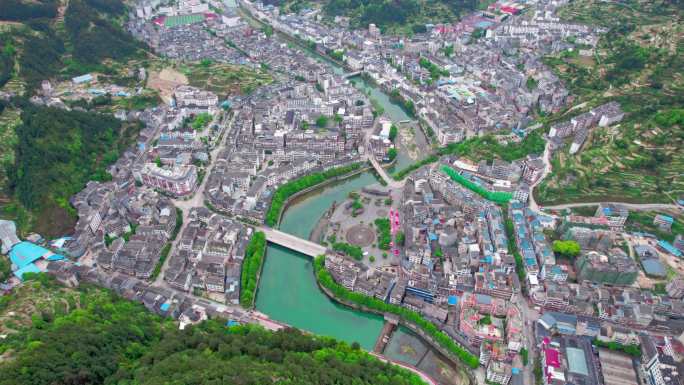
<point x="666" y="218"/>
<point x="452" y="300"/>
<point x="24" y="253"/>
<point x="667" y="246"/>
<point x="164" y="306"/>
<point x="30" y="268"/>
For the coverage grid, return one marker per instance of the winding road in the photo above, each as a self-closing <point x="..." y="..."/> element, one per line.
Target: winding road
<point x="632" y="206"/>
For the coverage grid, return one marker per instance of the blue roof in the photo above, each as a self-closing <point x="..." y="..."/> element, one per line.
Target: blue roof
<point x="55" y="257"/>
<point x="82" y="78"/>
<point x="667" y="246"/>
<point x="483" y="298"/>
<point x="24" y="253"/>
<point x="577" y="362"/>
<point x="653" y="267"/>
<point x="666" y="218"/>
<point x="452" y="300"/>
<point x="164" y="306"/>
<point x="30" y="268"/>
<point x="515" y="370"/>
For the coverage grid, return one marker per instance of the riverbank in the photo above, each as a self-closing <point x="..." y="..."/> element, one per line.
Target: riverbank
<point x="465" y="358"/>
<point x="362" y="167"/>
<point x="251" y="269"/>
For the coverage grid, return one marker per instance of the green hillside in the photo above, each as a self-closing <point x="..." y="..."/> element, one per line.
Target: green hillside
<point x="56" y="154"/>
<point x="91" y="336"/>
<point x="639" y="63"/>
<point x="43" y="40"/>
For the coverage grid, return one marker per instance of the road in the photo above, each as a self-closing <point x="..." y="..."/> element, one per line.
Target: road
<point x="547" y="170"/>
<point x="546" y="157"/>
<point x="197" y="200"/>
<point x="529" y="317"/>
<point x="631" y="206"/>
<point x="368" y="154"/>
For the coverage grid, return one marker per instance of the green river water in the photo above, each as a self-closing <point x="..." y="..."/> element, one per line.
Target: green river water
<point x="287" y="288"/>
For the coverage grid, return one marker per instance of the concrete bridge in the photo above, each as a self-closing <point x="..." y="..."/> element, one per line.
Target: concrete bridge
<point x="351" y="74"/>
<point x="292" y="242"/>
<point x="383" y="173"/>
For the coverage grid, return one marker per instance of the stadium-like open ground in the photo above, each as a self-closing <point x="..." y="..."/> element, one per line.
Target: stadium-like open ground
<point x="173" y="21"/>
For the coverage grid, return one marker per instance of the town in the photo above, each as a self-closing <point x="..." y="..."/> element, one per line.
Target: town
<point x="522" y="294"/>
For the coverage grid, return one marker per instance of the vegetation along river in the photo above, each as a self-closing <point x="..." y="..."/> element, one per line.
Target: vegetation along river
<point x="287" y="288"/>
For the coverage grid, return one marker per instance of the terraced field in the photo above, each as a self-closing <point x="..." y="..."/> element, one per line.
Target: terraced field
<point x="639" y="62"/>
<point x="225" y="79"/>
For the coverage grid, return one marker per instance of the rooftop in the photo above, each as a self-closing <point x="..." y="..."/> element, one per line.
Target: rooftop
<point x="25" y="253"/>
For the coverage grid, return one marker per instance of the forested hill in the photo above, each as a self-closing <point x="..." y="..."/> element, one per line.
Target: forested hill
<point x="49" y="154"/>
<point x="47" y="40"/>
<point x="56" y="154"/>
<point x="90" y="336"/>
<point x="400" y="16"/>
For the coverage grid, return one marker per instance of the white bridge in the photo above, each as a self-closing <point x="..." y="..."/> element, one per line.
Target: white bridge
<point x="292" y="242"/>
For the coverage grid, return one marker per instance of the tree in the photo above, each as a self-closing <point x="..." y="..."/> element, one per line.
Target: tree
<point x="393" y="132"/>
<point x="322" y="121"/>
<point x="524" y="356"/>
<point x="568" y="248"/>
<point x="400" y="238"/>
<point x="392" y="154"/>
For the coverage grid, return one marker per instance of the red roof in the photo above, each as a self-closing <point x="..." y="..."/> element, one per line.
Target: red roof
<point x="552" y="358"/>
<point x="511" y="10"/>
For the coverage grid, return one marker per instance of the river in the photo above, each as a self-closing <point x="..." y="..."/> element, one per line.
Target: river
<point x="287" y="289"/>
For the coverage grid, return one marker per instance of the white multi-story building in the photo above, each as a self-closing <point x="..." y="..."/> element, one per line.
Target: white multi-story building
<point x="194" y="100"/>
<point x="498" y="372"/>
<point x="181" y="180"/>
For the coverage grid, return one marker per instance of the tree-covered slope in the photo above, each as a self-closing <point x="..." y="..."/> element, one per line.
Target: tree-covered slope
<point x="400" y="16"/>
<point x="103" y="339"/>
<point x="50" y="41"/>
<point x="58" y="152"/>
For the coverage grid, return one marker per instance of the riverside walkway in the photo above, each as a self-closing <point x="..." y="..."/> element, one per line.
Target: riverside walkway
<point x="292" y="242"/>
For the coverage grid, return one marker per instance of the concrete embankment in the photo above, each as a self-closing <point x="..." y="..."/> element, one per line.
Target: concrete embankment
<point x="414" y="328"/>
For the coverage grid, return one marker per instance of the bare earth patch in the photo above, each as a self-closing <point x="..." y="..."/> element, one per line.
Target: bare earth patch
<point x="165" y="81"/>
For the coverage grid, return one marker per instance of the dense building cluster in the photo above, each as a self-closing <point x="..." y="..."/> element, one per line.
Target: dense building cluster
<point x="209" y="256"/>
<point x="460" y="85"/>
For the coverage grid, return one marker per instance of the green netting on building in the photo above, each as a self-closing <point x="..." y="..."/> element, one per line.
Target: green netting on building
<point x="494" y="196"/>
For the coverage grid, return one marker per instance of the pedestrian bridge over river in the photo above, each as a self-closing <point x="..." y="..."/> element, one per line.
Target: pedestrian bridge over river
<point x="292" y="242"/>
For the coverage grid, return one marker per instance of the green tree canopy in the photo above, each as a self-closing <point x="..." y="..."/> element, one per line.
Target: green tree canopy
<point x="568" y="248"/>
